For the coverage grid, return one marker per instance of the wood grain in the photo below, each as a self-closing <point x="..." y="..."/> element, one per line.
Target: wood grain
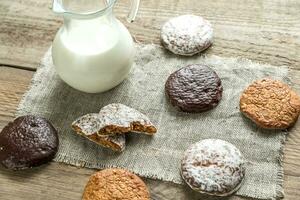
<point x="266" y="31"/>
<point x="67" y="182"/>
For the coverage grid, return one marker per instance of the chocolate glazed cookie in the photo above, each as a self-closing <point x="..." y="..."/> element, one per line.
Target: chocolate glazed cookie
<point x="27" y="142"/>
<point x="194" y="88"/>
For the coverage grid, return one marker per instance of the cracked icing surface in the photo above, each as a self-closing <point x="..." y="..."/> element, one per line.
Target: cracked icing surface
<point x="113" y="119"/>
<point x="88" y="126"/>
<point x="119" y="118"/>
<point x="114" y="184"/>
<point x="194" y="88"/>
<point x="270" y="104"/>
<point x="187" y="35"/>
<point x="107" y="127"/>
<point x="213" y="166"/>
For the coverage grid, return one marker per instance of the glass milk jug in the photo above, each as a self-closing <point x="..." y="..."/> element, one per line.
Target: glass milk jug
<point x="92" y="51"/>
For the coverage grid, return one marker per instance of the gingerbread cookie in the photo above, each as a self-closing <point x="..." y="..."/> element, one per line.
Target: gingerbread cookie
<point x="112" y="184"/>
<point x="187" y="35"/>
<point x="118" y="118"/>
<point x="27" y="142"/>
<point x="213" y="167"/>
<point x="195" y="88"/>
<point x="114" y="119"/>
<point x="108" y="127"/>
<point x="88" y="126"/>
<point x="270" y="104"/>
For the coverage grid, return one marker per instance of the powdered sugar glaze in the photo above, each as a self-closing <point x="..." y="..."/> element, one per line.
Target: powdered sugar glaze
<point x="187" y="34"/>
<point x="213" y="166"/>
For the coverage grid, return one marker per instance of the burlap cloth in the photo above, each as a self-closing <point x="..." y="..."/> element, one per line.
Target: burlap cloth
<point x="158" y="157"/>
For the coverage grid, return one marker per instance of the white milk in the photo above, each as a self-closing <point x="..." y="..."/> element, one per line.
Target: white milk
<point x="93" y="55"/>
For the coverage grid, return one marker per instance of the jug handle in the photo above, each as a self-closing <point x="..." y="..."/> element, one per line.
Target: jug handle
<point x="57" y="7"/>
<point x="133" y="10"/>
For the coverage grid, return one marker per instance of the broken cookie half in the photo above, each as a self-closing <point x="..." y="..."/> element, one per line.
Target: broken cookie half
<point x="118" y="118"/>
<point x="87" y="126"/>
<point x="108" y="127"/>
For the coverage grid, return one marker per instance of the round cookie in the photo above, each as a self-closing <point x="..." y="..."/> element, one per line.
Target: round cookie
<point x="112" y="184"/>
<point x="194" y="88"/>
<point x="213" y="167"/>
<point x="187" y="35"/>
<point x="27" y="142"/>
<point x="270" y="104"/>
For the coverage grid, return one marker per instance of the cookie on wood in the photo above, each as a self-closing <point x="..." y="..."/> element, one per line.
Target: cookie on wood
<point x="270" y="104"/>
<point x="88" y="127"/>
<point x="213" y="167"/>
<point x="27" y="142"/>
<point x="194" y="88"/>
<point x="113" y="184"/>
<point x="187" y="35"/>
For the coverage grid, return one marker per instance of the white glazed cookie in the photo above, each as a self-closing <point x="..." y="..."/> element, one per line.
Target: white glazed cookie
<point x="213" y="167"/>
<point x="113" y="119"/>
<point x="118" y="118"/>
<point x="108" y="127"/>
<point x="88" y="126"/>
<point x="187" y="35"/>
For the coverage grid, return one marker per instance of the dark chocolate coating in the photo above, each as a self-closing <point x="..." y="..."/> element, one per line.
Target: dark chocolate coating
<point x="194" y="88"/>
<point x="27" y="142"/>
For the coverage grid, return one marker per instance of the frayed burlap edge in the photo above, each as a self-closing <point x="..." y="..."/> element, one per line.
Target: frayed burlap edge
<point x="80" y="163"/>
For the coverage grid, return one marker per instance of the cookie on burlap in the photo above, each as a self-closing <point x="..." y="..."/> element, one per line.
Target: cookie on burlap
<point x="113" y="184"/>
<point x="270" y="104"/>
<point x="194" y="88"/>
<point x="87" y="126"/>
<point x="213" y="167"/>
<point x="118" y="118"/>
<point x="187" y="35"/>
<point x="27" y="142"/>
<point x="107" y="128"/>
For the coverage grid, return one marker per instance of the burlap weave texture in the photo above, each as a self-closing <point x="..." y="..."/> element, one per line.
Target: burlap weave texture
<point x="159" y="156"/>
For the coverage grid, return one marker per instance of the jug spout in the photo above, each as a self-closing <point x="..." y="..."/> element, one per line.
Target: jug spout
<point x="57" y="7"/>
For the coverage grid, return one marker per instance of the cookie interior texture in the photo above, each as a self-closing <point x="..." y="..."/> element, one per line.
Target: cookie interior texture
<point x="194" y="88"/>
<point x="270" y="104"/>
<point x="87" y="129"/>
<point x="112" y="184"/>
<point x="107" y="128"/>
<point x="187" y="35"/>
<point x="115" y="119"/>
<point x="119" y="118"/>
<point x="213" y="167"/>
<point x="27" y="142"/>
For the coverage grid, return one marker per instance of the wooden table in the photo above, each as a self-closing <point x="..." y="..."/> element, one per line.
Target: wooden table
<point x="267" y="31"/>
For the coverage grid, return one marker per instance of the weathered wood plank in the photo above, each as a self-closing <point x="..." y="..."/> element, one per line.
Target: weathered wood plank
<point x="59" y="181"/>
<point x="13" y="83"/>
<point x="266" y="31"/>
